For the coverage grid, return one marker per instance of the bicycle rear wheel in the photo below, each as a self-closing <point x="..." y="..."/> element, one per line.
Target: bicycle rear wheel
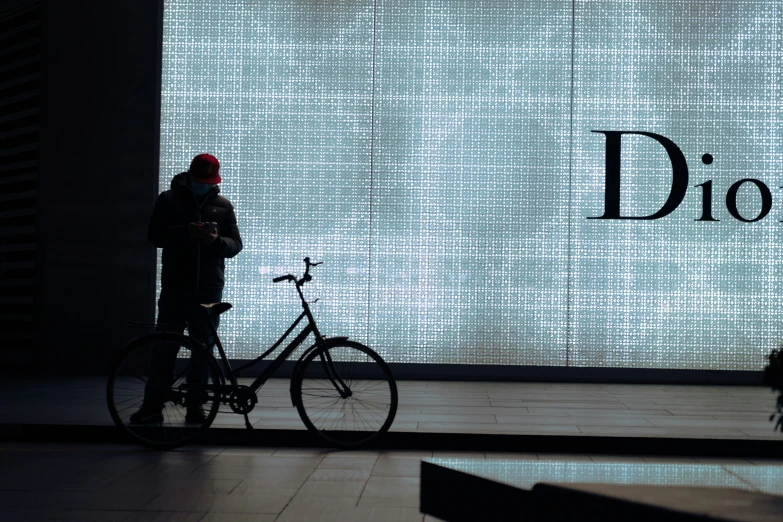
<point x="345" y="393"/>
<point x="171" y="376"/>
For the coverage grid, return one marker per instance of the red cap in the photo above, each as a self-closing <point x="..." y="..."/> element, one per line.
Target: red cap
<point x="205" y="168"/>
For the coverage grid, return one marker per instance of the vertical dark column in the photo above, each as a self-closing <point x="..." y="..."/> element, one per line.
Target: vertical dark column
<point x="569" y="265"/>
<point x="100" y="123"/>
<point x="20" y="84"/>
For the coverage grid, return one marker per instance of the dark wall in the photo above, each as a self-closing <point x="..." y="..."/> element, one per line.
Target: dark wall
<point x="20" y="86"/>
<point x="100" y="113"/>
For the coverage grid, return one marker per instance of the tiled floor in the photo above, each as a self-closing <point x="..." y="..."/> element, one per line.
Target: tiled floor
<point x="684" y="411"/>
<point x="124" y="483"/>
<point x="42" y="482"/>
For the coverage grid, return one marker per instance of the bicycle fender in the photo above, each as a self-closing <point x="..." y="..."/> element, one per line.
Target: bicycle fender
<point x="327" y="342"/>
<point x="333" y="340"/>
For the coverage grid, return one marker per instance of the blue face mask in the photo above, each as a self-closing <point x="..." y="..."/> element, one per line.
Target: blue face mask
<point x="200" y="189"/>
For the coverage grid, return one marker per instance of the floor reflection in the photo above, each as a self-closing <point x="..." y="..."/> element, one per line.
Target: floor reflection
<point x="525" y="474"/>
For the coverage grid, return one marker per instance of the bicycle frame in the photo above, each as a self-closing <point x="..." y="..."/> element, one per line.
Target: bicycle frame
<point x="311" y="327"/>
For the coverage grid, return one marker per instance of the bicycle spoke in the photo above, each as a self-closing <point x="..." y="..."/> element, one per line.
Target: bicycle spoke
<point x="372" y="411"/>
<point x="327" y="413"/>
<point x="378" y="420"/>
<point x="136" y="405"/>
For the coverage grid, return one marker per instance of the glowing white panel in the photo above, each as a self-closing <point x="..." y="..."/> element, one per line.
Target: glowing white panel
<point x="470" y="181"/>
<point x="438" y="155"/>
<point x="526" y="474"/>
<point x="281" y="93"/>
<point x="675" y="292"/>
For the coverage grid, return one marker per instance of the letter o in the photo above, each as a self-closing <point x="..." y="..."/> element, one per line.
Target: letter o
<point x="766" y="199"/>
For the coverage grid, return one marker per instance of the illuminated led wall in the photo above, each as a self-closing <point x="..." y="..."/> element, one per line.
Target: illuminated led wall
<point x="440" y="157"/>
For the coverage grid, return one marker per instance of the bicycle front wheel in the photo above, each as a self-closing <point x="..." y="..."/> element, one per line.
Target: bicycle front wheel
<point x="345" y="393"/>
<point x="162" y="390"/>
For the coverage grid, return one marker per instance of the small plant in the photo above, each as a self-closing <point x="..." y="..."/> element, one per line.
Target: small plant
<point x="773" y="377"/>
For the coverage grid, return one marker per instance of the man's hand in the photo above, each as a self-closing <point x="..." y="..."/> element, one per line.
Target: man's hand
<point x="208" y="237"/>
<point x="198" y="231"/>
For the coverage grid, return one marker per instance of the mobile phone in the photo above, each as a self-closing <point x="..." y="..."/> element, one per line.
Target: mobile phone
<point x="211" y="227"/>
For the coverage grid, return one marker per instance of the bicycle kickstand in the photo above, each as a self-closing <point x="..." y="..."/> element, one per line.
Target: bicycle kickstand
<point x="247" y="423"/>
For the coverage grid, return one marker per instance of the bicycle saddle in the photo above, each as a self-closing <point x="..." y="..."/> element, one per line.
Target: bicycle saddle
<point x="215" y="309"/>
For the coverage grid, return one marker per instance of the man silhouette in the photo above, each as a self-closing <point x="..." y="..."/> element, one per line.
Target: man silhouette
<point x="197" y="230"/>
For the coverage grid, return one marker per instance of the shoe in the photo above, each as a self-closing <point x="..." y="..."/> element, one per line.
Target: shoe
<point x="147" y="415"/>
<point x="195" y="416"/>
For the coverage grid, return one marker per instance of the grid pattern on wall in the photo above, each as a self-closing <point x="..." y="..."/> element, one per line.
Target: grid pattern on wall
<point x="437" y="155"/>
<point x="676" y="292"/>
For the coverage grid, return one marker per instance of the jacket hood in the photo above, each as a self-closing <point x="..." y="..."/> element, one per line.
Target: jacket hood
<point x="181" y="183"/>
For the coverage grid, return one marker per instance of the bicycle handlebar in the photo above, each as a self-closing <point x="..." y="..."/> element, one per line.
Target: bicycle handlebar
<point x="305" y="278"/>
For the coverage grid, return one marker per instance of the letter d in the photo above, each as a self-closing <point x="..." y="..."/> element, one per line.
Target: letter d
<point x="612" y="195"/>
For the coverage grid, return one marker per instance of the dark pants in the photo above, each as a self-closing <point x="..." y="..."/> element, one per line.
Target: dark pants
<point x="176" y="310"/>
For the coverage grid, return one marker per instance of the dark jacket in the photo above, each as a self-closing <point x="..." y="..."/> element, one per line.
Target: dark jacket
<point x="188" y="265"/>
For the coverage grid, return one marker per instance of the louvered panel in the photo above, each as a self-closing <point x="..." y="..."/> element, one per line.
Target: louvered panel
<point x="20" y="73"/>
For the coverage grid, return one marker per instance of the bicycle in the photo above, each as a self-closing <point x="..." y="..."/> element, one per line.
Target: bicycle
<point x="343" y="391"/>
